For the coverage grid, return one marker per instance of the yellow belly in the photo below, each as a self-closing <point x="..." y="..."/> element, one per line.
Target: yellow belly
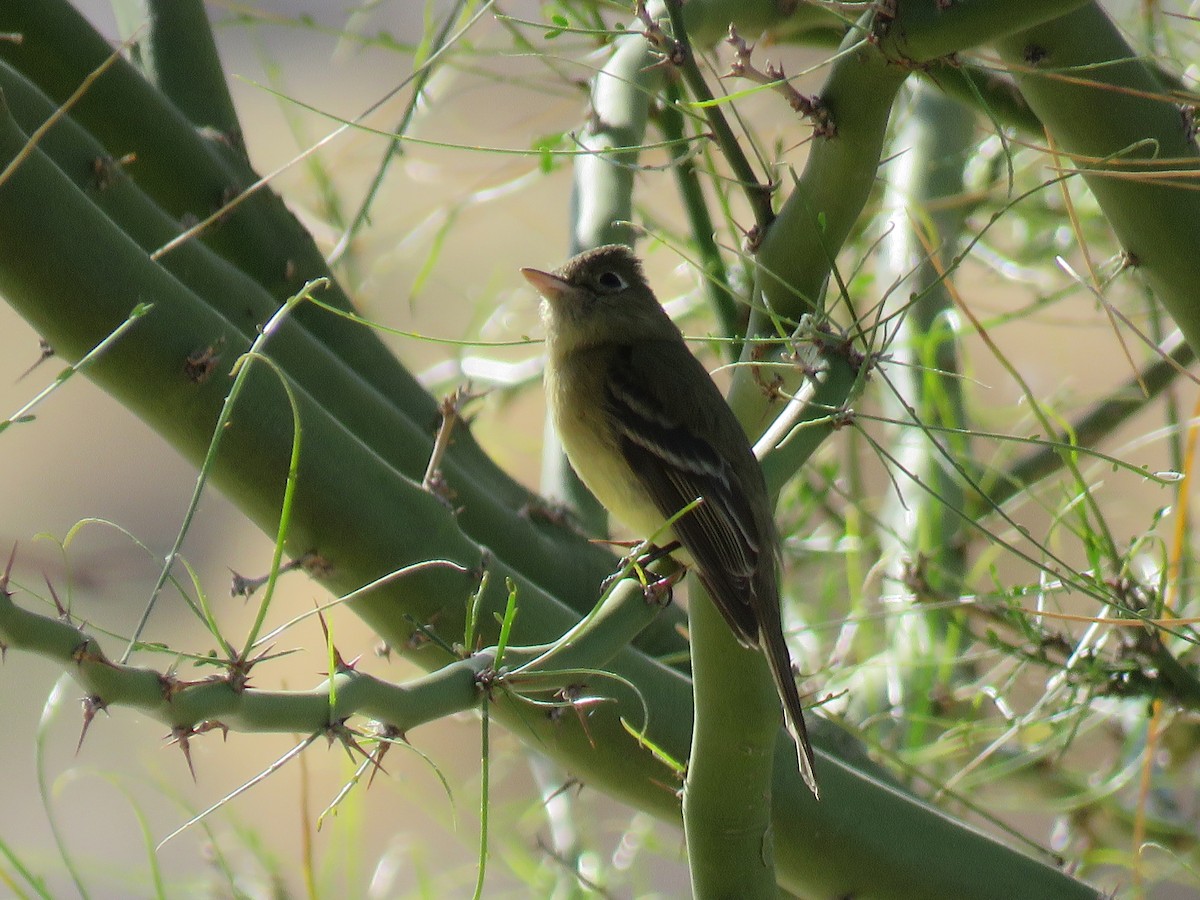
<point x="576" y="404"/>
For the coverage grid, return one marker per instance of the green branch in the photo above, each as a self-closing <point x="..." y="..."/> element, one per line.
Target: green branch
<point x="174" y="47"/>
<point x="260" y="236"/>
<point x="1116" y="124"/>
<point x="225" y="701"/>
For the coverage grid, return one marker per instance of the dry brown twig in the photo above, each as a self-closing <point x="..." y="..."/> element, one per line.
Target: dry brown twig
<point x="773" y="76"/>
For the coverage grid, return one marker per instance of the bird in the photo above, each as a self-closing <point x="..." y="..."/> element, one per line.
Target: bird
<point x="648" y="432"/>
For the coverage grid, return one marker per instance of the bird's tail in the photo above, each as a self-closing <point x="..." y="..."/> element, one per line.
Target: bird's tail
<point x="793" y="714"/>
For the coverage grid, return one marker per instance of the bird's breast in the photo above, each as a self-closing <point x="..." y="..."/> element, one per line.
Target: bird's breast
<point x="576" y="391"/>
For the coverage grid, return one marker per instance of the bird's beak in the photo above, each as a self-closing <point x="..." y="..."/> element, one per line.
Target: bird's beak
<point x="549" y="286"/>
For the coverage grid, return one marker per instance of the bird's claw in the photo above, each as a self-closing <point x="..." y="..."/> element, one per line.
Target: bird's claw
<point x="661" y="591"/>
<point x="642" y="556"/>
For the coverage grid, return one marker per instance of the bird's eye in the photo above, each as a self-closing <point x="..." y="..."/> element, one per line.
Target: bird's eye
<point x="611" y="281"/>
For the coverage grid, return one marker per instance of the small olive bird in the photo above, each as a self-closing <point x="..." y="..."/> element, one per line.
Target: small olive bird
<point x="649" y="433"/>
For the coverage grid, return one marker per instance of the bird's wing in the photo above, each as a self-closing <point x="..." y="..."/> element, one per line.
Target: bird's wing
<point x="732" y="545"/>
<point x="675" y="466"/>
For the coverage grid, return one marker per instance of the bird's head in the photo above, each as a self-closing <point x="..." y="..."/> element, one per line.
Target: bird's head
<point x="600" y="296"/>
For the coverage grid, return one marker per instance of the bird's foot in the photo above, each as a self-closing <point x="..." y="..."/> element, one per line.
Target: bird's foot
<point x="642" y="556"/>
<point x="661" y="591"/>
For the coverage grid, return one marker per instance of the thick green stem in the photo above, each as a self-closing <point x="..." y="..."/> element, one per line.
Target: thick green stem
<point x="924" y="30"/>
<point x="798" y="250"/>
<point x="362" y="517"/>
<point x="453" y="688"/>
<point x="174" y="46"/>
<point x="261" y="237"/>
<point x="984" y="91"/>
<point x="925" y="546"/>
<point x="726" y="796"/>
<point x="1112" y="118"/>
<point x="403" y="444"/>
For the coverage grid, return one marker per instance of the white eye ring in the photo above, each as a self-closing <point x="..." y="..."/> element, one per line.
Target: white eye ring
<point x="611" y="281"/>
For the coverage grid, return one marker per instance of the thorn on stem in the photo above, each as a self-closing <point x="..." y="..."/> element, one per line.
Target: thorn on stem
<point x="46" y="352"/>
<point x="181" y="735"/>
<point x="63" y="614"/>
<point x="91" y="705"/>
<point x="200" y="364"/>
<point x="388" y="735"/>
<point x="244" y="586"/>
